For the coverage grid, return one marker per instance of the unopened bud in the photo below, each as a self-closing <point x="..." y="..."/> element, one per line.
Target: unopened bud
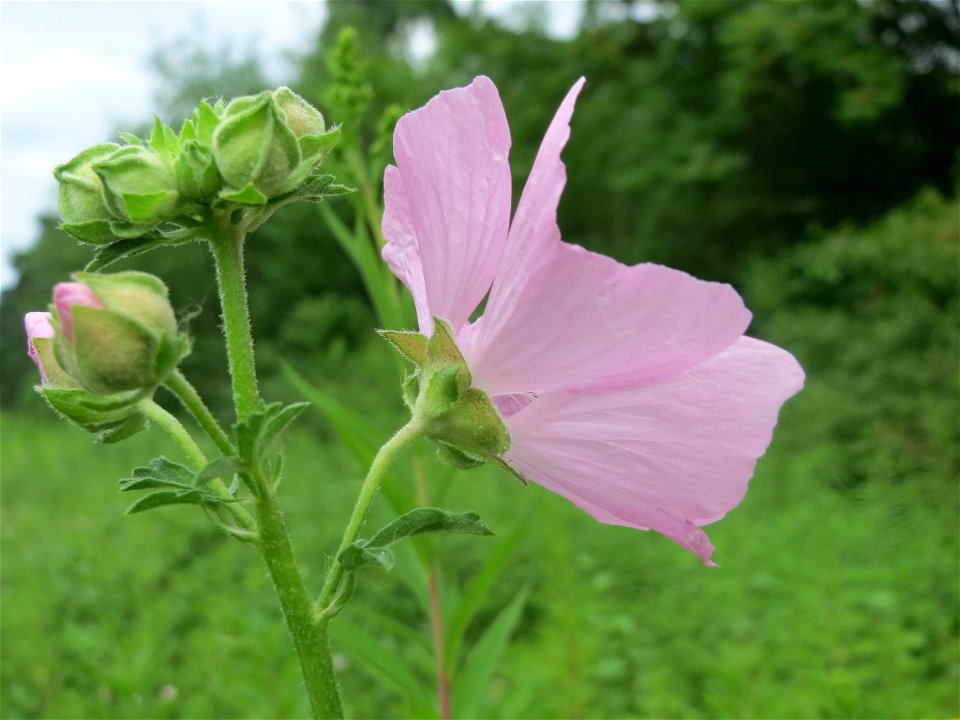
<point x="81" y="200"/>
<point x="139" y="185"/>
<point x="254" y="149"/>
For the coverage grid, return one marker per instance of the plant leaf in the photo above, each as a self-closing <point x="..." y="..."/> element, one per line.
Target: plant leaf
<point x="469" y="684"/>
<point x="166" y="497"/>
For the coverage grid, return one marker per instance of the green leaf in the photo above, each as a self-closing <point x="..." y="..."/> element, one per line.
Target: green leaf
<point x="357" y="556"/>
<point x="277" y="423"/>
<point x="166" y="497"/>
<point x="472" y="680"/>
<point x="160" y="473"/>
<point x="226" y="466"/>
<point x="428" y="520"/>
<point x="121" y="249"/>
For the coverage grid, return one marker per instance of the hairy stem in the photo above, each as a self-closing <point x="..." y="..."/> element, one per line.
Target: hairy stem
<point x="161" y="418"/>
<point x="371" y="484"/>
<point x="227" y="246"/>
<point x="191" y="400"/>
<point x="309" y="637"/>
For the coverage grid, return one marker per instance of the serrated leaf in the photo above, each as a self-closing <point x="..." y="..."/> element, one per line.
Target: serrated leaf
<point x="167" y="497"/>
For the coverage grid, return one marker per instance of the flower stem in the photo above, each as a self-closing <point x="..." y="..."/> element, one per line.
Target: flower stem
<point x="161" y="418"/>
<point x="309" y="637"/>
<point x="227" y="246"/>
<point x="191" y="400"/>
<point x="371" y="484"/>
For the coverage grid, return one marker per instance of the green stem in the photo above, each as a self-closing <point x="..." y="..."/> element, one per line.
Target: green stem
<point x="227" y="246"/>
<point x="191" y="400"/>
<point x="371" y="483"/>
<point x="309" y="637"/>
<point x="160" y="417"/>
<point x="170" y="425"/>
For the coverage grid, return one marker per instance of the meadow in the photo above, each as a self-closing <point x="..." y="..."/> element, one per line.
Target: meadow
<point x="828" y="602"/>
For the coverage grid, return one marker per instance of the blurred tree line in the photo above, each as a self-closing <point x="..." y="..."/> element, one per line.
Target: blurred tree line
<point x="723" y="138"/>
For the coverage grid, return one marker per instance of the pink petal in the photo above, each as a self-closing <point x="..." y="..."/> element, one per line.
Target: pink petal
<point x="447" y="204"/>
<point x="584" y="322"/>
<point x="65" y="296"/>
<point x="37" y="325"/>
<point x="668" y="457"/>
<point x="563" y="318"/>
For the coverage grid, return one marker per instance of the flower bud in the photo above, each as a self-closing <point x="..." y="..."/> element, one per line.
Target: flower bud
<point x="139" y="186"/>
<point x="65" y="296"/>
<point x="38" y="327"/>
<point x="117" y="333"/>
<point x="254" y="149"/>
<point x="81" y="200"/>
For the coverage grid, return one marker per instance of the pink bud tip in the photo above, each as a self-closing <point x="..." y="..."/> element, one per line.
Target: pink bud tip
<point x="65" y="296"/>
<point x="37" y="325"/>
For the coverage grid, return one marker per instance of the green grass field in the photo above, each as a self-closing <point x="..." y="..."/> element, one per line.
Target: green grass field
<point x="825" y="604"/>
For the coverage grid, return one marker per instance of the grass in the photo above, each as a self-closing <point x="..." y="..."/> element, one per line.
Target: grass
<point x="827" y="603"/>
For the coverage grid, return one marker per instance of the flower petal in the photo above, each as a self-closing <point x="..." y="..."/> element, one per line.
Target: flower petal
<point x="37" y="325"/>
<point x="562" y="318"/>
<point x="447" y="203"/>
<point x="668" y="457"/>
<point x="584" y="322"/>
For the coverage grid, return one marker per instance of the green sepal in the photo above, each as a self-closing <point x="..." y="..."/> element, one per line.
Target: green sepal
<point x="80" y="197"/>
<point x="96" y="232"/>
<point x="130" y="138"/>
<point x="412" y="345"/>
<point x="249" y="195"/>
<point x="415" y="522"/>
<point x="316" y="147"/>
<point x="196" y="171"/>
<point x="138" y="184"/>
<point x="113" y="352"/>
<point x="55" y="374"/>
<point x="472" y="425"/>
<point x="130" y="426"/>
<point x="163" y="140"/>
<point x="90" y="411"/>
<point x="459" y="459"/>
<point x="442" y="350"/>
<point x="411" y="390"/>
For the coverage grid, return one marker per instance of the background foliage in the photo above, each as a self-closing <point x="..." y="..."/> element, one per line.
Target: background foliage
<point x="805" y="152"/>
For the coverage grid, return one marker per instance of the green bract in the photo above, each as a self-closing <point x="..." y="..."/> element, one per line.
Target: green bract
<point x="460" y="418"/>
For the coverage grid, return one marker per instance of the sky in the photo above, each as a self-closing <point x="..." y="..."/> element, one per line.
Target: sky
<point x="72" y="73"/>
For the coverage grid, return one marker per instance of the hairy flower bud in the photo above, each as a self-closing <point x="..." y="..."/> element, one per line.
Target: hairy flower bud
<point x="81" y="199"/>
<point x="117" y="333"/>
<point x="254" y="149"/>
<point x="139" y="185"/>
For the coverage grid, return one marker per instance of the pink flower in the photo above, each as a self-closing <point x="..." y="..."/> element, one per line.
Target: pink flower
<point x="37" y="325"/>
<point x="68" y="294"/>
<point x="631" y="391"/>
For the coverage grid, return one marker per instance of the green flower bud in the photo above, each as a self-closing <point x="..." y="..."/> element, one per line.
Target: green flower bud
<point x="81" y="200"/>
<point x="197" y="174"/>
<point x="254" y="149"/>
<point x="116" y="333"/>
<point x="139" y="186"/>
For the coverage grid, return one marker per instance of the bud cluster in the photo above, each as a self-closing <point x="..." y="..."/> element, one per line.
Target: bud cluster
<point x="107" y="342"/>
<point x="252" y="153"/>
